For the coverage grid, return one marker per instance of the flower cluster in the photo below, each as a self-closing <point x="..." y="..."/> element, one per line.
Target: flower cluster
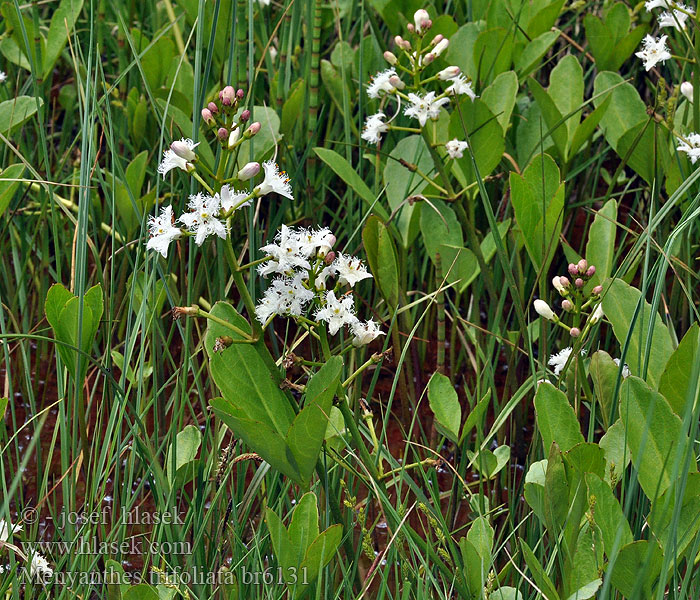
<point x="303" y="261"/>
<point x="576" y="300"/>
<point x="676" y="15"/>
<point x="208" y="213"/>
<point x="39" y="567"/>
<point x="421" y="104"/>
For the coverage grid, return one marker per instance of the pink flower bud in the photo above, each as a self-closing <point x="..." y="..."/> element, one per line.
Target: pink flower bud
<point x="329" y="258"/>
<point x="582" y="265"/>
<point x="213" y="108"/>
<point x="449" y="73"/>
<point x="183" y="151"/>
<point x="430" y="57"/>
<point x="567" y="305"/>
<point x="402" y="43"/>
<point x="240" y="94"/>
<point x="421" y="18"/>
<point x="253" y="129"/>
<point x="575" y="332"/>
<point x="410" y="27"/>
<point x="573" y="269"/>
<point x="396" y="82"/>
<point x="437" y="39"/>
<point x="597" y="289"/>
<point x="249" y="170"/>
<point x="222" y="133"/>
<point x="564" y="281"/>
<point x="578" y="282"/>
<point x="591" y="271"/>
<point x="390" y="57"/>
<point x="245" y="115"/>
<point x="228" y="94"/>
<point x="207" y="117"/>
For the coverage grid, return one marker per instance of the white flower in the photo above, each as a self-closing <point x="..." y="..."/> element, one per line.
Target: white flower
<point x="653" y="51"/>
<point x="173" y="159"/>
<point x="687" y="90"/>
<point x="455" y="148"/>
<point x="559" y="360"/>
<point x="264" y="2"/>
<point x="7" y="528"/>
<point x="691" y="146"/>
<point x="275" y="181"/>
<point x="312" y="240"/>
<point x="337" y="312"/>
<point x="424" y="107"/>
<point x="461" y="85"/>
<point x="162" y="231"/>
<point x="625" y="368"/>
<point x="350" y="270"/>
<point x="287" y="296"/>
<point x="421" y="18"/>
<point x="287" y="254"/>
<point x="202" y="221"/>
<point x="364" y="333"/>
<point x="381" y="84"/>
<point x="3" y="76"/>
<point x="676" y="19"/>
<point x="543" y="310"/>
<point x="320" y="281"/>
<point x="374" y="127"/>
<point x="233" y="199"/>
<point x="39" y="567"/>
<point x="652" y="4"/>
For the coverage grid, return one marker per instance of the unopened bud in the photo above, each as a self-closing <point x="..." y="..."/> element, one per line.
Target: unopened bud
<point x="253" y="129"/>
<point x="597" y="289"/>
<point x="575" y="332"/>
<point x="234" y="137"/>
<point x="565" y="283"/>
<point x="222" y="133"/>
<point x="240" y="94"/>
<point x="396" y="82"/>
<point x="213" y="107"/>
<point x="573" y="269"/>
<point x="567" y="305"/>
<point x="430" y="57"/>
<point x="591" y="271"/>
<point x="329" y="258"/>
<point x="557" y="284"/>
<point x="421" y="18"/>
<point x="582" y="265"/>
<point x="687" y="90"/>
<point x="437" y="39"/>
<point x="449" y="73"/>
<point x="597" y="313"/>
<point x="579" y="282"/>
<point x="245" y="115"/>
<point x="542" y="309"/>
<point x="207" y="117"/>
<point x="441" y="47"/>
<point x="402" y="43"/>
<point x="184" y="311"/>
<point x="249" y="170"/>
<point x="390" y="57"/>
<point x="410" y="27"/>
<point x="182" y="150"/>
<point x="227" y="95"/>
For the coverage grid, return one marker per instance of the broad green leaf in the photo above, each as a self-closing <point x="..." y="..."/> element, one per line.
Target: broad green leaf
<point x="382" y="258"/>
<point x="303" y="528"/>
<point x="556" y="419"/>
<point x="620" y="302"/>
<point x="490" y="463"/>
<point x="473" y="566"/>
<point x="184" y="452"/>
<point x="677" y="383"/>
<point x="531" y="56"/>
<point x="604" y="374"/>
<point x="679" y="534"/>
<point x="626" y="108"/>
<point x="617" y="455"/>
<point x="62" y="23"/>
<point x="285" y="551"/>
<point x="586" y="591"/>
<point x="445" y="406"/>
<point x="566" y="90"/>
<point x="343" y="169"/>
<point x="17" y="111"/>
<point x="140" y="592"/>
<point x="654" y="433"/>
<point x="493" y="52"/>
<point x="480" y="534"/>
<point x="608" y="514"/>
<point x="557" y="493"/>
<point x="401" y="183"/>
<point x="475" y="416"/>
<point x="600" y="249"/>
<point x="505" y="593"/>
<point x="500" y="97"/>
<point x="264" y="142"/>
<point x="637" y="568"/>
<point x="587" y="128"/>
<point x="545" y="18"/>
<point x="8" y="187"/>
<point x="538" y="202"/>
<point x="308" y="429"/>
<point x="555" y="124"/>
<point x="461" y="48"/>
<point x="320" y="553"/>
